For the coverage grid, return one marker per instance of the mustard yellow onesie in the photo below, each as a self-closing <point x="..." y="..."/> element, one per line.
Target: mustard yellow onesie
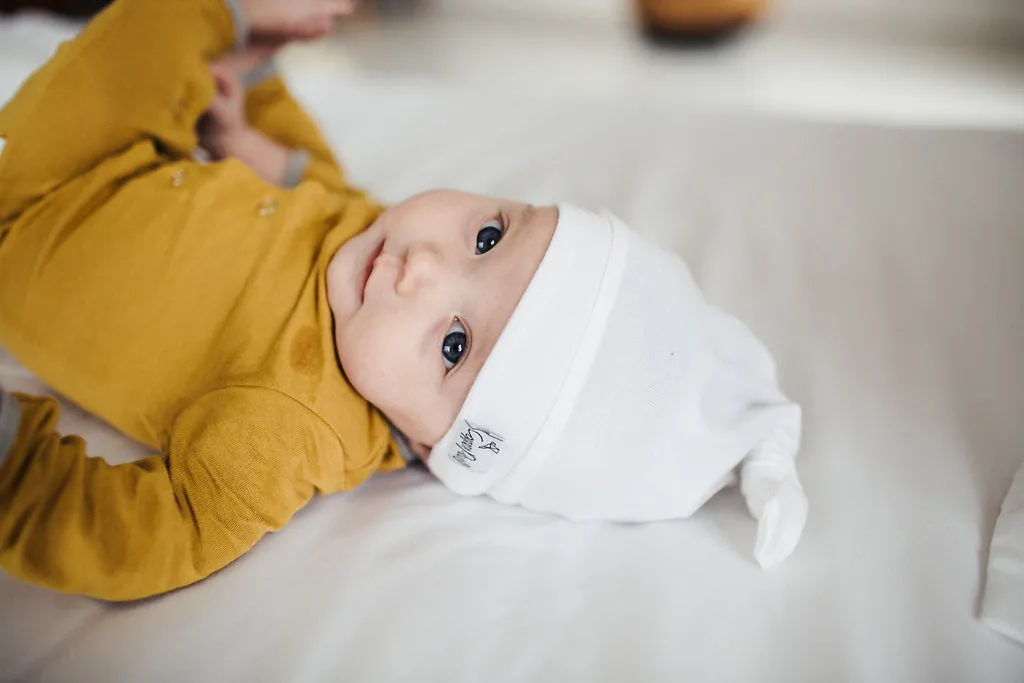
<point x="183" y="303"/>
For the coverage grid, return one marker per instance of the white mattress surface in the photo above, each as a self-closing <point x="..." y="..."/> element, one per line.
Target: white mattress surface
<point x="883" y="267"/>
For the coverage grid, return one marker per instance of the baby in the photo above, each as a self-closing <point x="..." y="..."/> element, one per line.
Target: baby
<point x="274" y="334"/>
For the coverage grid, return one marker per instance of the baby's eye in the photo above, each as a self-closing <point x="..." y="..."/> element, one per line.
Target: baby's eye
<point x="454" y="345"/>
<point x="489" y="235"/>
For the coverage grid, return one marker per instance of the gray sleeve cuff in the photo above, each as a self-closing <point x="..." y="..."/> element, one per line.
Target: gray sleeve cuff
<point x="241" y="25"/>
<point x="403" y="446"/>
<point x="10" y="419"/>
<point x="263" y="72"/>
<point x="298" y="159"/>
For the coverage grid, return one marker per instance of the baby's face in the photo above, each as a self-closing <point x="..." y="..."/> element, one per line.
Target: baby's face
<point x="420" y="298"/>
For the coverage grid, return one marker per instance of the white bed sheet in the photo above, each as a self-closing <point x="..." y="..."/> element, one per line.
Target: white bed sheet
<point x="884" y="269"/>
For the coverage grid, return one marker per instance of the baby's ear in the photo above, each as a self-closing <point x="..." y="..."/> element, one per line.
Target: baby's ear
<point x="422" y="451"/>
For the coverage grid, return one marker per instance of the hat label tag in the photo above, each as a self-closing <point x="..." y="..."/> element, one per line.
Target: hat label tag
<point x="476" y="448"/>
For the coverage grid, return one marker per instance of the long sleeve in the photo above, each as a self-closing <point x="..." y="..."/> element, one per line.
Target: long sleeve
<point x="237" y="466"/>
<point x="137" y="72"/>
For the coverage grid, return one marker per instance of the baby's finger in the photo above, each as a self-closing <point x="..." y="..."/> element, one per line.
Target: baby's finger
<point x="314" y="27"/>
<point x="342" y="8"/>
<point x="219" y="112"/>
<point x="262" y="49"/>
<point x="225" y="80"/>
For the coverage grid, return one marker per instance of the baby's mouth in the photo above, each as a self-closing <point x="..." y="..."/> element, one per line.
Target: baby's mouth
<point x="368" y="269"/>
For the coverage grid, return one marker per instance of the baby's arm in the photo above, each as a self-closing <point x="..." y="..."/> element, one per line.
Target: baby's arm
<point x="136" y="73"/>
<point x="136" y="76"/>
<point x="236" y="467"/>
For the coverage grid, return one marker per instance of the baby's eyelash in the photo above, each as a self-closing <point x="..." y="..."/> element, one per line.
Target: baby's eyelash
<point x="456" y="328"/>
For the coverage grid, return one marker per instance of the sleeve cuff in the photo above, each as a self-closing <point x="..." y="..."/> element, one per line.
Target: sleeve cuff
<point x="238" y="19"/>
<point x="264" y="72"/>
<point x="10" y="419"/>
<point x="404" y="449"/>
<point x="298" y="159"/>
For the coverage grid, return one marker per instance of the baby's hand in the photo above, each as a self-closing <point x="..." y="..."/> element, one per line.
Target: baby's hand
<point x="224" y="122"/>
<point x="294" y="19"/>
<point x="225" y="132"/>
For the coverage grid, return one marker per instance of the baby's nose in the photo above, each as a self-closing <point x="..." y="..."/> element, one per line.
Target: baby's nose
<point x="422" y="267"/>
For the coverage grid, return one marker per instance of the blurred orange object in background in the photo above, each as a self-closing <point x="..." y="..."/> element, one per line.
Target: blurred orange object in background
<point x="697" y="20"/>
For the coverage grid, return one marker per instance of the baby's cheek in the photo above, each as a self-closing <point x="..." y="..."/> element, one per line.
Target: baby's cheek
<point x="350" y="355"/>
<point x="368" y="359"/>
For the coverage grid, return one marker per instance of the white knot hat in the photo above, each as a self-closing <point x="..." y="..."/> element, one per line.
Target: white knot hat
<point x="646" y="402"/>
